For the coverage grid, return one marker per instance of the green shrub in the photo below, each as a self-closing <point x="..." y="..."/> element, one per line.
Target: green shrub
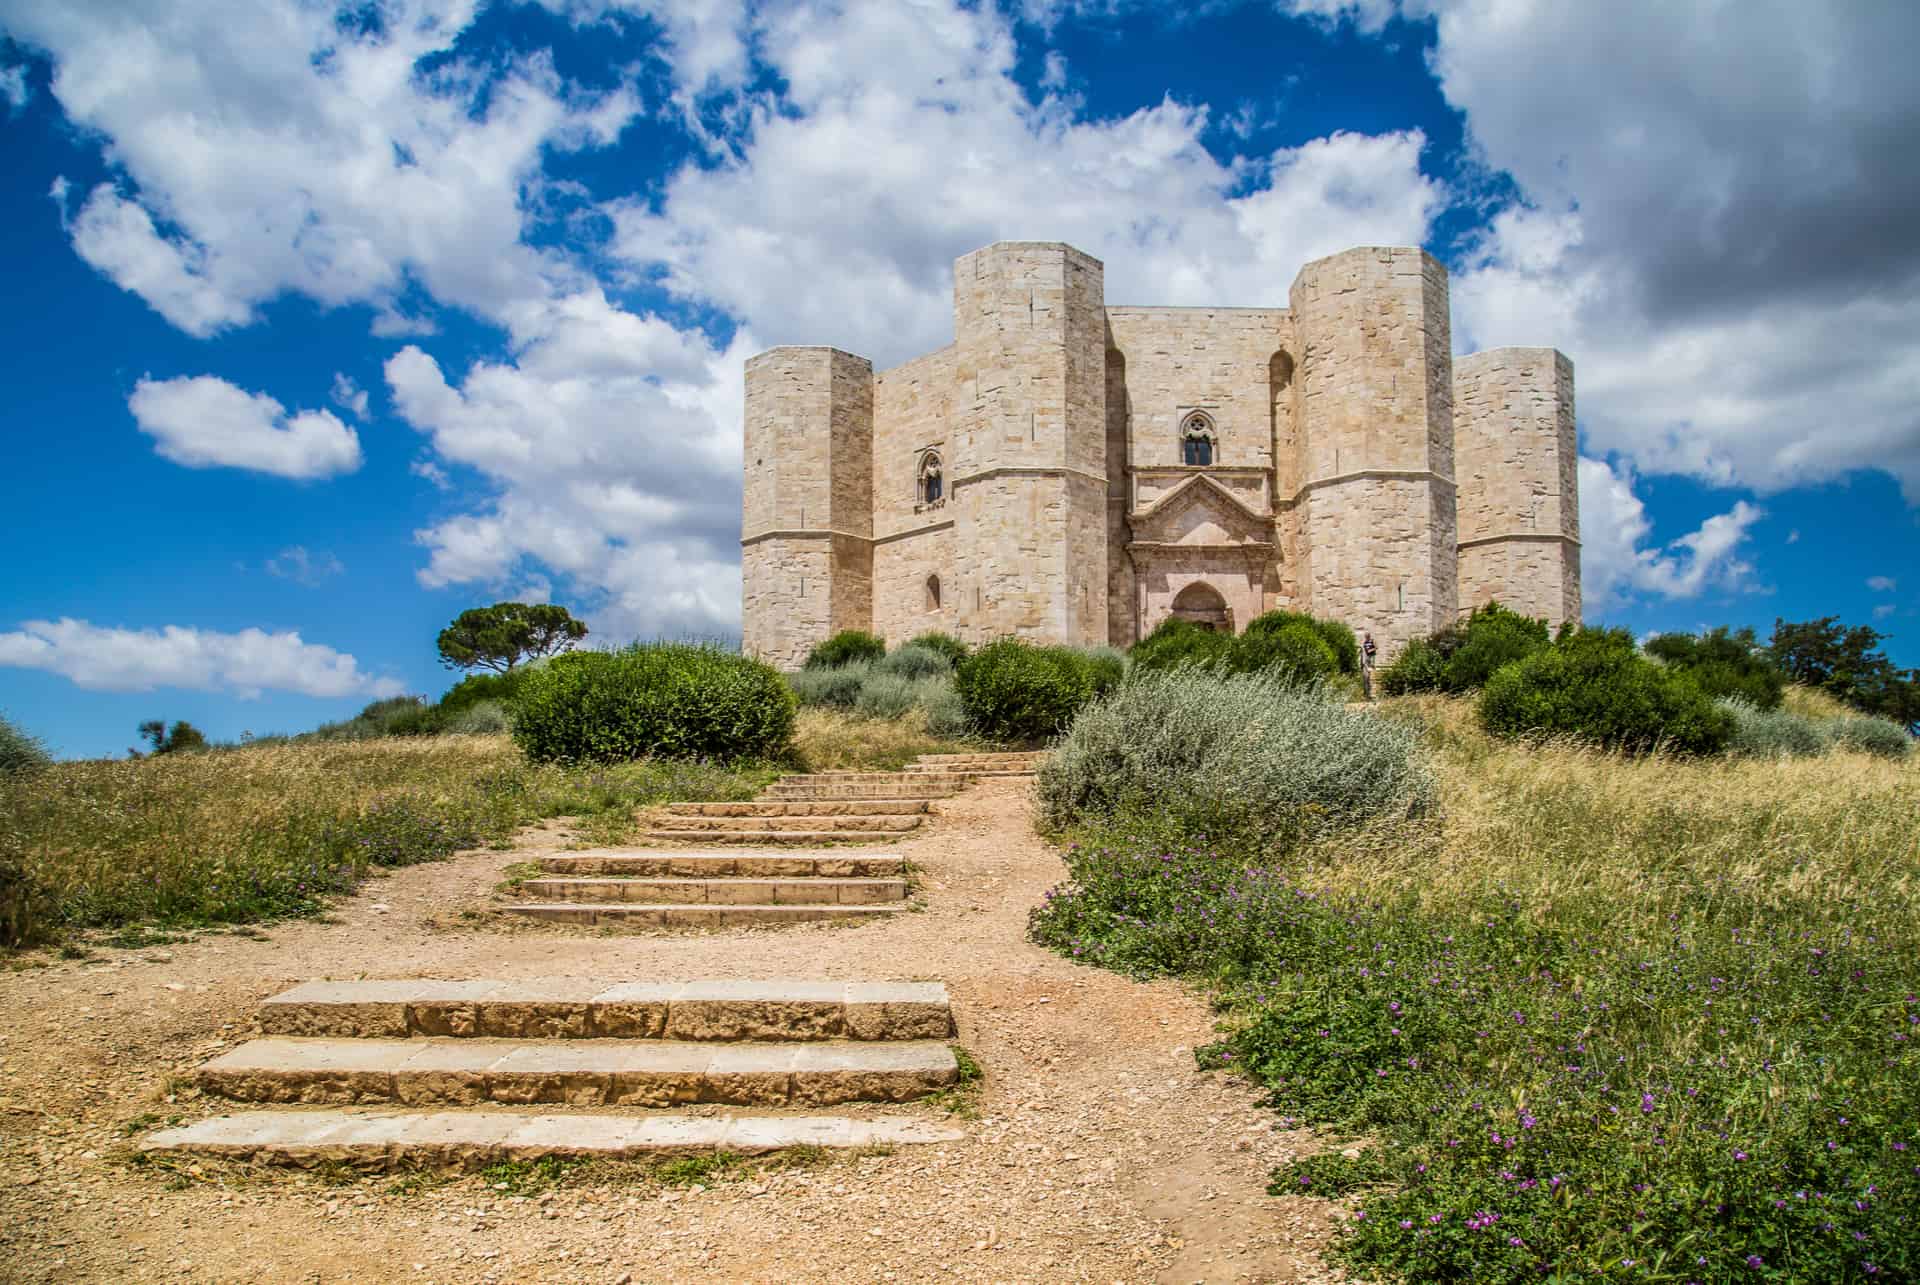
<point x="1295" y="653"/>
<point x="1723" y="663"/>
<point x="1771" y="733"/>
<point x="1420" y="667"/>
<point x="1180" y="642"/>
<point x="1492" y="638"/>
<point x="676" y="700"/>
<point x="1017" y="691"/>
<point x="1870" y="736"/>
<point x="499" y="689"/>
<point x="946" y="644"/>
<point x="1250" y="754"/>
<point x="914" y="661"/>
<point x="844" y="648"/>
<point x="20" y="751"/>
<point x="1595" y="685"/>
<point x="1109" y="667"/>
<point x="1337" y="636"/>
<point x="838" y="686"/>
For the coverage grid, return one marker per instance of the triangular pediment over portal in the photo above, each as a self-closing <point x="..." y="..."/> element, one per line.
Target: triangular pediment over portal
<point x="1201" y="512"/>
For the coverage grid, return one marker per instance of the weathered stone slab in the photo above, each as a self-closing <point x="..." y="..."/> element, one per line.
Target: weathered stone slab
<point x="453" y="1139"/>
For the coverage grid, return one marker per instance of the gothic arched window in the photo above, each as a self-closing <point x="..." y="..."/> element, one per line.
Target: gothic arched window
<point x="1197" y="441"/>
<point x="933" y="593"/>
<point x="931" y="487"/>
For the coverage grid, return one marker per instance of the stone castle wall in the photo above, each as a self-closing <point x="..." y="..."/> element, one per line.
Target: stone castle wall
<point x="1517" y="468"/>
<point x="1341" y="426"/>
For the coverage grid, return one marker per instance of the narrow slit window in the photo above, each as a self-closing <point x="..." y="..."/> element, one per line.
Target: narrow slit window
<point x="933" y="593"/>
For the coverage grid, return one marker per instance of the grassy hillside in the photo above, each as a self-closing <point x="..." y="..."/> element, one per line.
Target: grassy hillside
<point x="1606" y="1018"/>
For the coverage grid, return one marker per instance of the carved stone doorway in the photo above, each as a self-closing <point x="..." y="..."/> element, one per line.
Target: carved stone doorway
<point x="1203" y="605"/>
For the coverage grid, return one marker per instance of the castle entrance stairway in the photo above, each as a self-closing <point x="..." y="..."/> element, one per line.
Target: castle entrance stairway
<point x="422" y="1074"/>
<point x="729" y="865"/>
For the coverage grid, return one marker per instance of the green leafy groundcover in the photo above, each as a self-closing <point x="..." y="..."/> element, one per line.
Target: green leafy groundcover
<point x="674" y="700"/>
<point x="1737" y="1100"/>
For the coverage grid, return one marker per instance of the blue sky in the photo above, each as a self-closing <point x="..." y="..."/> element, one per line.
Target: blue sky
<point x="325" y="325"/>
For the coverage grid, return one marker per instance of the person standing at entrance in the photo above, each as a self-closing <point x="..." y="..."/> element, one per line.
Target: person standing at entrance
<point x="1367" y="650"/>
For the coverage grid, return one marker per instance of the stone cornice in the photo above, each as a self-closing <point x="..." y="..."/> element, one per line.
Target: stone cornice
<point x="1524" y="537"/>
<point x="910" y="532"/>
<point x="798" y="533"/>
<point x="1358" y="475"/>
<point x="1027" y="470"/>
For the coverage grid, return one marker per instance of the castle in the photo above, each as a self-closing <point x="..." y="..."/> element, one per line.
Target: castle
<point x="1073" y="471"/>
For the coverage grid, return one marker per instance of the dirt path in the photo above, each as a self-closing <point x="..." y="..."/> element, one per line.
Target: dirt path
<point x="1099" y="1153"/>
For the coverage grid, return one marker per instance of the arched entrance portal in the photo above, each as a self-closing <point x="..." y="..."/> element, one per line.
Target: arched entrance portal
<point x="1202" y="604"/>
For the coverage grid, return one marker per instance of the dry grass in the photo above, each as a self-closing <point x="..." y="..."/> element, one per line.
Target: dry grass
<point x="1558" y="823"/>
<point x="1811" y="702"/>
<point x="834" y="740"/>
<point x="254" y="833"/>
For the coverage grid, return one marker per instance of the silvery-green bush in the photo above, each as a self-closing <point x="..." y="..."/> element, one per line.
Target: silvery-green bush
<point x="481" y="718"/>
<point x="1247" y="755"/>
<point x="1771" y="733"/>
<point x="912" y="660"/>
<point x="886" y="695"/>
<point x="946" y="714"/>
<point x="1870" y="736"/>
<point x="838" y="685"/>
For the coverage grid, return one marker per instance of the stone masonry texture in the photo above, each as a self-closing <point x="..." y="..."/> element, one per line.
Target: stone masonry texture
<point x="1358" y="470"/>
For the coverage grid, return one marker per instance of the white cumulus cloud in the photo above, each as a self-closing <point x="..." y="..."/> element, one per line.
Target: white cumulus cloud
<point x="1882" y="584"/>
<point x="904" y="141"/>
<point x="1617" y="564"/>
<point x="245" y="663"/>
<point x="205" y="422"/>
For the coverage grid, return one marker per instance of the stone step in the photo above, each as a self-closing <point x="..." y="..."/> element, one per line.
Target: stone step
<point x="721" y="892"/>
<point x="577" y="1008"/>
<point x="956" y="779"/>
<point x="582" y="1073"/>
<point x="979" y="774"/>
<point x="642" y="863"/>
<point x="911" y="790"/>
<point x="628" y="915"/>
<point x="773" y="838"/>
<point x="469" y="1139"/>
<point x="853" y="824"/>
<point x="803" y="808"/>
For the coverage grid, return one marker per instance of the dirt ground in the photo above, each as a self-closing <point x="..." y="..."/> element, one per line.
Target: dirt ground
<point x="1098" y="1153"/>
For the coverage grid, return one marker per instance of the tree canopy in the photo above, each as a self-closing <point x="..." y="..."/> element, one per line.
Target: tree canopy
<point x="1845" y="660"/>
<point x="501" y="636"/>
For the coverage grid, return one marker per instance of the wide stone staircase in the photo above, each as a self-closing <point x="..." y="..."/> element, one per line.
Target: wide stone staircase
<point x="441" y="1074"/>
<point x="738" y="866"/>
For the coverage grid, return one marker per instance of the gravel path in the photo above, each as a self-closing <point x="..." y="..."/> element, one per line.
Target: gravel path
<point x="1098" y="1154"/>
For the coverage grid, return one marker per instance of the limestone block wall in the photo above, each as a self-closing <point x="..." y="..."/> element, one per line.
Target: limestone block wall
<point x="913" y="540"/>
<point x="807" y="516"/>
<point x="1029" y="434"/>
<point x="1216" y="360"/>
<point x="1517" y="462"/>
<point x="1121" y="586"/>
<point x="1376" y="511"/>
